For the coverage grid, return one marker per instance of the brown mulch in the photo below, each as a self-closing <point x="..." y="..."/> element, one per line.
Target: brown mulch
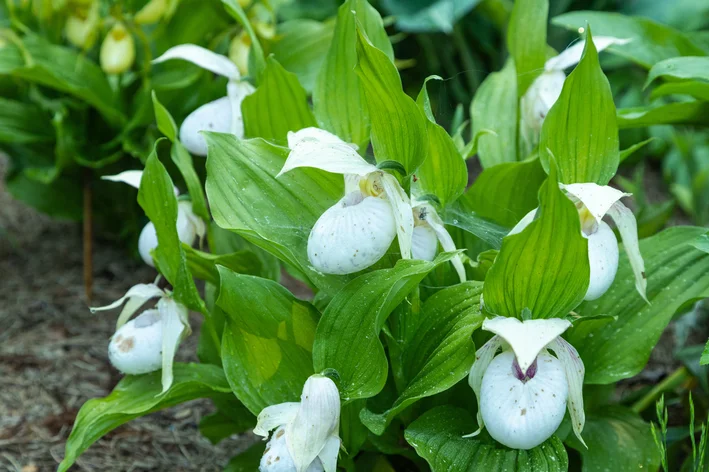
<point x="53" y="356"/>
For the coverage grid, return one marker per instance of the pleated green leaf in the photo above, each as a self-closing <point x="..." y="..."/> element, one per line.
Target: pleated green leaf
<point x="22" y="123"/>
<point x="527" y="40"/>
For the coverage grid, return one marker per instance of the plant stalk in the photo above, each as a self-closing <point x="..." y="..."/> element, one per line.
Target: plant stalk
<point x="670" y="382"/>
<point x="88" y="238"/>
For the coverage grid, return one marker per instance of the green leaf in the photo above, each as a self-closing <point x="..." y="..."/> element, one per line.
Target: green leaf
<point x="682" y="113"/>
<point x="428" y="16"/>
<point x="136" y="396"/>
<point x="693" y="88"/>
<point x="257" y="61"/>
<point x="444" y="172"/>
<point x="437" y="436"/>
<point x="545" y="267"/>
<point x="301" y="47"/>
<point x="278" y="105"/>
<point x="247" y="461"/>
<point x="677" y="273"/>
<point x="230" y="418"/>
<point x="651" y="41"/>
<point x="34" y="59"/>
<point x="338" y="98"/>
<point x="267" y="341"/>
<point x="705" y="355"/>
<point x="494" y="108"/>
<point x="157" y="198"/>
<point x="462" y="216"/>
<point x="506" y="192"/>
<point x="580" y="130"/>
<point x="275" y="214"/>
<point x="440" y="352"/>
<point x="358" y="312"/>
<point x="61" y="198"/>
<point x="626" y="153"/>
<point x="182" y="159"/>
<point x="678" y="68"/>
<point x="527" y="40"/>
<point x="616" y="436"/>
<point x="203" y="265"/>
<point x="22" y="123"/>
<point x="398" y="125"/>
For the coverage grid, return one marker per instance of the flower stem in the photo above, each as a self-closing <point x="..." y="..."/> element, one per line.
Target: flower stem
<point x="670" y="382"/>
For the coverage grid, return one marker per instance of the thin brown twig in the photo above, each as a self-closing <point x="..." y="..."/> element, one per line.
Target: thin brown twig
<point x="88" y="238"/>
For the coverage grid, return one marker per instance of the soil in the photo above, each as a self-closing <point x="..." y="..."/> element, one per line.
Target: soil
<point x="53" y="356"/>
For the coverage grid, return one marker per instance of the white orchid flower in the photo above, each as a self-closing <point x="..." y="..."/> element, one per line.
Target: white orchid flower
<point x="546" y="89"/>
<point x="523" y="392"/>
<point x="357" y="231"/>
<point x="189" y="225"/>
<point x="222" y="115"/>
<point x="148" y="342"/>
<point x="594" y="202"/>
<point x="429" y="230"/>
<point x="306" y="437"/>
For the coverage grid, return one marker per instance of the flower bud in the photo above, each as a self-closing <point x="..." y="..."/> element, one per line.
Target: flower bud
<point x="117" y="51"/>
<point x="136" y="347"/>
<point x="81" y="28"/>
<point x="239" y="52"/>
<point x="151" y="12"/>
<point x="213" y="116"/>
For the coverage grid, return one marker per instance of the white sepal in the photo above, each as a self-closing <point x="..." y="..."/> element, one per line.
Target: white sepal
<point x="313" y="147"/>
<point x="213" y="116"/>
<point x="277" y="458"/>
<point x="202" y="57"/>
<point x="329" y="453"/>
<point x="135" y="348"/>
<point x="130" y="177"/>
<point x="175" y="327"/>
<point x="403" y="214"/>
<point x="574" y="370"/>
<point x="628" y="229"/>
<point x="445" y="238"/>
<point x="526" y="338"/>
<point x="315" y="135"/>
<point x="135" y="297"/>
<point x="424" y="243"/>
<point x="275" y="415"/>
<point x="537" y="101"/>
<point x="351" y="235"/>
<point x="598" y="199"/>
<point x="318" y="419"/>
<point x="572" y="55"/>
<point x="237" y="92"/>
<point x="483" y="358"/>
<point x="522" y="414"/>
<point x="602" y="260"/>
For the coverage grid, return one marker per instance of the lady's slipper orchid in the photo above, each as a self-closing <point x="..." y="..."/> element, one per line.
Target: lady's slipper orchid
<point x="594" y="202"/>
<point x="546" y="89"/>
<point x="523" y="392"/>
<point x="81" y="28"/>
<point x="429" y="230"/>
<point x="189" y="226"/>
<point x="117" y="50"/>
<point x="357" y="231"/>
<point x="239" y="51"/>
<point x="222" y="115"/>
<point x="151" y="12"/>
<point x="306" y="437"/>
<point x="148" y="342"/>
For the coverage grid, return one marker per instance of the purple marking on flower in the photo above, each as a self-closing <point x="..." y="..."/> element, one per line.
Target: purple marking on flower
<point x="523" y="377"/>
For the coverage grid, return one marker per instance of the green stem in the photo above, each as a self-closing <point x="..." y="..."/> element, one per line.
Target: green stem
<point x="466" y="56"/>
<point x="670" y="382"/>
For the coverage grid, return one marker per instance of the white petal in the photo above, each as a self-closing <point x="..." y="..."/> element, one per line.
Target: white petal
<point x="538" y="100"/>
<point x="403" y="214"/>
<point x="213" y="116"/>
<point x="173" y="317"/>
<point x="136" y="347"/>
<point x="572" y="55"/>
<point x="574" y="370"/>
<point x="351" y="183"/>
<point x="274" y="416"/>
<point x="237" y="92"/>
<point x="276" y="457"/>
<point x="351" y="235"/>
<point x="446" y="240"/>
<point x="523" y="414"/>
<point x="526" y="338"/>
<point x="147" y="241"/>
<point x="318" y="419"/>
<point x="142" y="292"/>
<point x="424" y="243"/>
<point x="628" y="228"/>
<point x="328" y="455"/>
<point x="203" y="58"/>
<point x="315" y="135"/>
<point x="603" y="260"/>
<point x="523" y="223"/>
<point x="598" y="199"/>
<point x="483" y="358"/>
<point x="324" y="151"/>
<point x="130" y="177"/>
